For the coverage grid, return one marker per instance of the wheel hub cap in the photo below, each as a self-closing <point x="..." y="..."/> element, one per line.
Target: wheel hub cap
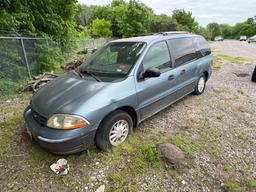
<point x="201" y="84"/>
<point x="119" y="132"/>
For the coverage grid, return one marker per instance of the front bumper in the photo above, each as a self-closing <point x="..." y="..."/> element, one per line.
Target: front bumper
<point x="60" y="141"/>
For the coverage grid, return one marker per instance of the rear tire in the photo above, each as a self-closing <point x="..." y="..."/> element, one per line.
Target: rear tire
<point x="113" y="130"/>
<point x="200" y="87"/>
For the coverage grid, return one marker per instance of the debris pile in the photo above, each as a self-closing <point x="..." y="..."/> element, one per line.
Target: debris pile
<point x="74" y="64"/>
<point x="77" y="62"/>
<point x="38" y="81"/>
<point x="91" y="50"/>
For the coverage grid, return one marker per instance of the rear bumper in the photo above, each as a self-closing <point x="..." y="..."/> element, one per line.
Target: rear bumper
<point x="60" y="141"/>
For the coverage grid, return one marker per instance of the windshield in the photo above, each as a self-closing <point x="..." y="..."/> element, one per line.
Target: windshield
<point x="114" y="60"/>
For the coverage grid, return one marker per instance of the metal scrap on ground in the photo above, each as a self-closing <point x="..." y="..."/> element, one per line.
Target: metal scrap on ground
<point x="61" y="167"/>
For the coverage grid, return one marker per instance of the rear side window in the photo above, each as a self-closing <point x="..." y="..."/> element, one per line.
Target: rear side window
<point x="158" y="56"/>
<point x="182" y="51"/>
<point x="202" y="47"/>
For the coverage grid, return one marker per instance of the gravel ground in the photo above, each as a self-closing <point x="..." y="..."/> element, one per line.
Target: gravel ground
<point x="224" y="117"/>
<point x="235" y="48"/>
<point x="222" y="121"/>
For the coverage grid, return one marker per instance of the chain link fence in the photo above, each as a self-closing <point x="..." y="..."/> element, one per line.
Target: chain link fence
<point x="19" y="59"/>
<point x="93" y="43"/>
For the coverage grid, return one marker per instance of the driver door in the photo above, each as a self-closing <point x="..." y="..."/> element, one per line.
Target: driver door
<point x="156" y="93"/>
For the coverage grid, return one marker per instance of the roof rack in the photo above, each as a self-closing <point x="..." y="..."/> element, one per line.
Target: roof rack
<point x="171" y="33"/>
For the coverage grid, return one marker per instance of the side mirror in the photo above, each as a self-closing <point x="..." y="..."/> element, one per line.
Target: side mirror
<point x="151" y="72"/>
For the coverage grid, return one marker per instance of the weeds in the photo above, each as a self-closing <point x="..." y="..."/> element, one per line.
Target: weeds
<point x="252" y="184"/>
<point x="150" y="153"/>
<point x="233" y="186"/>
<point x="186" y="144"/>
<point x="132" y="160"/>
<point x="8" y="130"/>
<point x="221" y="117"/>
<point x="227" y="167"/>
<point x="218" y="58"/>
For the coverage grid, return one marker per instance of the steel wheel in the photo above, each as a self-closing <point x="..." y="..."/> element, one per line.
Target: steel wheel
<point x="118" y="132"/>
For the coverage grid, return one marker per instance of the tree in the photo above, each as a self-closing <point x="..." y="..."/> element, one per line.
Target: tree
<point x="161" y="23"/>
<point x="127" y="19"/>
<point x="50" y="18"/>
<point x="244" y="29"/>
<point x="185" y="19"/>
<point x="85" y="15"/>
<point x="250" y="21"/>
<point x="226" y="30"/>
<point x="118" y="9"/>
<point x="101" y="28"/>
<point x="204" y="32"/>
<point x="135" y="20"/>
<point x="214" y="29"/>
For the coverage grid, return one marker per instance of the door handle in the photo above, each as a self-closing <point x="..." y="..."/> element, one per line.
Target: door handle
<point x="171" y="77"/>
<point x="183" y="72"/>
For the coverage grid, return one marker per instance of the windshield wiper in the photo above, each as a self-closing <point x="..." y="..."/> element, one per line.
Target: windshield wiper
<point x="77" y="72"/>
<point x="91" y="74"/>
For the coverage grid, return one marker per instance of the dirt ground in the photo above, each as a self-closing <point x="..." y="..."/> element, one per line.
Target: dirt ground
<point x="216" y="131"/>
<point x="235" y="48"/>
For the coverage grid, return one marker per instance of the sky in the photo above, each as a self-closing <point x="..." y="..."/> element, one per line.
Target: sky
<point x="204" y="11"/>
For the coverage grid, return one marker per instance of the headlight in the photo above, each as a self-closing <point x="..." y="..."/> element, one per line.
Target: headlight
<point x="61" y="121"/>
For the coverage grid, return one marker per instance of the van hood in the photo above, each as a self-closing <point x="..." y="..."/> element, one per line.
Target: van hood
<point x="62" y="91"/>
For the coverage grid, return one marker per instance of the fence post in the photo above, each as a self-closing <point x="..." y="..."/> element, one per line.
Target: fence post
<point x="25" y="56"/>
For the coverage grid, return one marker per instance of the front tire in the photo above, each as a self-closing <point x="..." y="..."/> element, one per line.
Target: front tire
<point x="200" y="87"/>
<point x="113" y="130"/>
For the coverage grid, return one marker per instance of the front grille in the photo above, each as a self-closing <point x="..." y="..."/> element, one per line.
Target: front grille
<point x="39" y="118"/>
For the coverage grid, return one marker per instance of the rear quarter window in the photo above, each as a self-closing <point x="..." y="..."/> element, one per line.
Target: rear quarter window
<point x="182" y="50"/>
<point x="202" y="47"/>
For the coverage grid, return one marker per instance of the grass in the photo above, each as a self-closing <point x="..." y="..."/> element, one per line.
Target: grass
<point x="218" y="90"/>
<point x="13" y="122"/>
<point x="252" y="184"/>
<point x="216" y="63"/>
<point x="218" y="58"/>
<point x="248" y="167"/>
<point x="227" y="167"/>
<point x="221" y="117"/>
<point x="150" y="154"/>
<point x="8" y="131"/>
<point x="186" y="144"/>
<point x="232" y="59"/>
<point x="233" y="186"/>
<point x="10" y="88"/>
<point x="241" y="108"/>
<point x="132" y="161"/>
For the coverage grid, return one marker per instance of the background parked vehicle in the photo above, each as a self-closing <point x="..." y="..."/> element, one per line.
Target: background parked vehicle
<point x="254" y="75"/>
<point x="218" y="38"/>
<point x="252" y="39"/>
<point x="243" y="38"/>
